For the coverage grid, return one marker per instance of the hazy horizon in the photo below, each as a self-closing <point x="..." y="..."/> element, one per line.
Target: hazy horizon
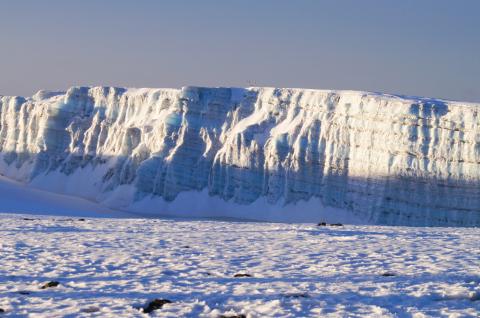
<point x="417" y="48"/>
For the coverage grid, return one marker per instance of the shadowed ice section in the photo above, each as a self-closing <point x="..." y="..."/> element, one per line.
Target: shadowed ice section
<point x="277" y="154"/>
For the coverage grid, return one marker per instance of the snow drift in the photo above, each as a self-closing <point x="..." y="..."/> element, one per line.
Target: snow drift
<point x="259" y="153"/>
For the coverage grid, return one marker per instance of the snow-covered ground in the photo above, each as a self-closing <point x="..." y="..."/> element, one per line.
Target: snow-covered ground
<point x="112" y="265"/>
<point x="108" y="267"/>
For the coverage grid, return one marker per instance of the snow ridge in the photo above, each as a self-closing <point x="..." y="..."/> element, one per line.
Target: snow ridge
<point x="306" y="154"/>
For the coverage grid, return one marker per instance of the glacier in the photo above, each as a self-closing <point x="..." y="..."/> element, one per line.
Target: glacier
<point x="259" y="153"/>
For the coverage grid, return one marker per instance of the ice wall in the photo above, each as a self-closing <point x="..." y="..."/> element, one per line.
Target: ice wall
<point x="385" y="159"/>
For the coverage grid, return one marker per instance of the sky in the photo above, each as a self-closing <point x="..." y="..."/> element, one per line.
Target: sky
<point x="410" y="47"/>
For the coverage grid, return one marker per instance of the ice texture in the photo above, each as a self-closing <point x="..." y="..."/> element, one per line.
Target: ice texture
<point x="383" y="159"/>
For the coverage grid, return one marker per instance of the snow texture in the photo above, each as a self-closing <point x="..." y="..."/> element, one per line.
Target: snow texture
<point x="18" y="198"/>
<point x="255" y="153"/>
<point x="110" y="267"/>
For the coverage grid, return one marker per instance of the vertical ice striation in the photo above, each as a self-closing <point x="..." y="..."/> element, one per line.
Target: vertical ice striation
<point x="386" y="159"/>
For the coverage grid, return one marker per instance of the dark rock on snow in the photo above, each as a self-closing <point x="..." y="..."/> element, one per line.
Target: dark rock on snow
<point x="24" y="292"/>
<point x="297" y="295"/>
<point x="90" y="309"/>
<point x="388" y="274"/>
<point x="242" y="275"/>
<point x="155" y="304"/>
<point x="331" y="224"/>
<point x="50" y="284"/>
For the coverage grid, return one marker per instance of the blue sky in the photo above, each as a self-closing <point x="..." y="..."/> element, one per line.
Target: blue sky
<point x="413" y="47"/>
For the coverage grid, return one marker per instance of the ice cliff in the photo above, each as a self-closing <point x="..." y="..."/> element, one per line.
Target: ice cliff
<point x="302" y="154"/>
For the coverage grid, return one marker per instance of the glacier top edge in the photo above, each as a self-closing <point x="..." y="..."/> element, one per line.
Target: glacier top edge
<point x="42" y="95"/>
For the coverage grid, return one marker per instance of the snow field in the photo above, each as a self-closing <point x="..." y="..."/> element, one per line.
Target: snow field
<point x="111" y="267"/>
